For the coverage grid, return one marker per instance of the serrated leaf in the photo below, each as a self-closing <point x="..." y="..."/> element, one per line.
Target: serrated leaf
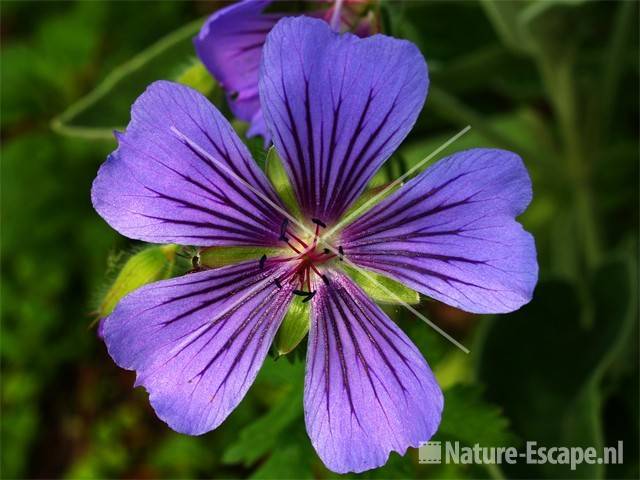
<point x="382" y="289"/>
<point x="294" y="327"/>
<point x="215" y="257"/>
<point x="469" y="418"/>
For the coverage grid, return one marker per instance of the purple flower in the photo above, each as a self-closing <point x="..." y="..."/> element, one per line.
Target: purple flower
<point x="230" y="46"/>
<point x="337" y="107"/>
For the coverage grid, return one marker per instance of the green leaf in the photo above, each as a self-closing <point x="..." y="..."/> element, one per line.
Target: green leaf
<point x="280" y="180"/>
<point x="545" y="365"/>
<point x="455" y="367"/>
<point x="214" y="257"/>
<point x="107" y="107"/>
<point x="148" y="265"/>
<point x="261" y="436"/>
<point x="382" y="289"/>
<point x="294" y="327"/>
<point x="289" y="461"/>
<point x="177" y="455"/>
<point x="469" y="418"/>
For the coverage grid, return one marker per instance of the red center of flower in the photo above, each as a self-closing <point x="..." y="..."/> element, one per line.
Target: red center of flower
<point x="307" y="255"/>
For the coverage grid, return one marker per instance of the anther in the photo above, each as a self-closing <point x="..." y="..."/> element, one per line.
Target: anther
<point x="319" y="222"/>
<point x="283" y="229"/>
<point x="341" y="251"/>
<point x="262" y="260"/>
<point x="300" y="293"/>
<point x="325" y="279"/>
<point x="326" y="251"/>
<point x="309" y="296"/>
<point x="277" y="282"/>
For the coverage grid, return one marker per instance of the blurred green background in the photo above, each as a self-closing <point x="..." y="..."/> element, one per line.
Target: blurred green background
<point x="555" y="81"/>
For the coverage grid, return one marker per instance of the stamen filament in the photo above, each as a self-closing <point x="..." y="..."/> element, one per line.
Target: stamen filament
<point x="315" y="236"/>
<point x="299" y="275"/>
<point x="315" y="270"/>
<point x="295" y="237"/>
<point x="285" y="259"/>
<point x="293" y="248"/>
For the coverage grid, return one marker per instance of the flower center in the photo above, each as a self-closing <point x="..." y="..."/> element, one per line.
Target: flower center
<point x="305" y="257"/>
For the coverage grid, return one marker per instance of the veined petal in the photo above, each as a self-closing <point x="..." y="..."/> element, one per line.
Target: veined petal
<point x="198" y="341"/>
<point x="337" y="107"/>
<point x="230" y="46"/>
<point x="368" y="391"/>
<point x="174" y="176"/>
<point x="451" y="233"/>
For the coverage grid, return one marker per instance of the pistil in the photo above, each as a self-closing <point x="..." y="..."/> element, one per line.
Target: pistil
<point x="305" y="260"/>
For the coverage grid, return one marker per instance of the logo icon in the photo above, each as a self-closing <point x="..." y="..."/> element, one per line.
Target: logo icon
<point x="430" y="452"/>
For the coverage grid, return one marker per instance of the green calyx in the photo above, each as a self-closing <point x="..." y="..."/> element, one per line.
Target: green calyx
<point x="216" y="257"/>
<point x="278" y="177"/>
<point x="146" y="266"/>
<point x="382" y="289"/>
<point x="294" y="327"/>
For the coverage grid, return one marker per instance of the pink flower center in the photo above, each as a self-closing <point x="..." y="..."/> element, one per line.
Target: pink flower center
<point x="307" y="255"/>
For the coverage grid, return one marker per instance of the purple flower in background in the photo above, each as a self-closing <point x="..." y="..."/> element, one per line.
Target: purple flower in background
<point x="337" y="106"/>
<point x="230" y="46"/>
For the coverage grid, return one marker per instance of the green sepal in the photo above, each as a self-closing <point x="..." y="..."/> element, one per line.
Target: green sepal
<point x="146" y="266"/>
<point x="294" y="327"/>
<point x="214" y="257"/>
<point x="280" y="180"/>
<point x="393" y="292"/>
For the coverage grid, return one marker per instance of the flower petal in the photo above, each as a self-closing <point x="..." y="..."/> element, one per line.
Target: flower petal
<point x="337" y="107"/>
<point x="165" y="182"/>
<point x="198" y="341"/>
<point x="450" y="233"/>
<point x="368" y="391"/>
<point x="230" y="46"/>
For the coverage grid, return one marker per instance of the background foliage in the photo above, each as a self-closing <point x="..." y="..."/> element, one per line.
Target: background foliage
<point x="555" y="81"/>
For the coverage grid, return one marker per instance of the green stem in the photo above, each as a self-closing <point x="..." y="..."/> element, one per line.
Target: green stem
<point x="612" y="71"/>
<point x="61" y="124"/>
<point x="494" y="471"/>
<point x="559" y="79"/>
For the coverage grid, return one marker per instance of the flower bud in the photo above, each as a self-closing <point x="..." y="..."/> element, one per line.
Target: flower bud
<point x="148" y="265"/>
<point x="196" y="76"/>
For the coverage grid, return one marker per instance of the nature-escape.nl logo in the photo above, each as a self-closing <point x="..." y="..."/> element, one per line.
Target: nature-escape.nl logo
<point x="453" y="452"/>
